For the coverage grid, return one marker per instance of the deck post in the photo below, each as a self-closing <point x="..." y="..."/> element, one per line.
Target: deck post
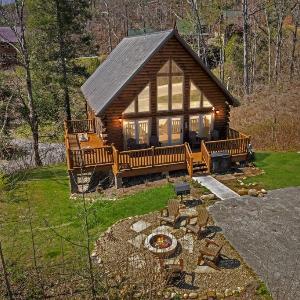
<point x="118" y="182"/>
<point x="153" y="153"/>
<point x="73" y="182"/>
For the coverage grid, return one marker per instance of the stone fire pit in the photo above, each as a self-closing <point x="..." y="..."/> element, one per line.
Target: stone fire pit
<point x="162" y="244"/>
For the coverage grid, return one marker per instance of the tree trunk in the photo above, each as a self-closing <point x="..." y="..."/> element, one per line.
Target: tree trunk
<point x="62" y="57"/>
<point x="33" y="119"/>
<point x="280" y="11"/>
<point x="293" y="54"/>
<point x="246" y="47"/>
<point x="269" y="46"/>
<point x="5" y="274"/>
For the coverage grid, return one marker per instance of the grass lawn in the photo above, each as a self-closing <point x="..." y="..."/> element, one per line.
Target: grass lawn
<point x="282" y="169"/>
<point x="46" y="192"/>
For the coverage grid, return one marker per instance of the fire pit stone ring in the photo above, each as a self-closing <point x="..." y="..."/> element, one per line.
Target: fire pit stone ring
<point x="167" y="247"/>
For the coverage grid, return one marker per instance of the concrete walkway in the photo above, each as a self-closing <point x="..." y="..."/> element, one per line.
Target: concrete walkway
<point x="266" y="233"/>
<point x="216" y="187"/>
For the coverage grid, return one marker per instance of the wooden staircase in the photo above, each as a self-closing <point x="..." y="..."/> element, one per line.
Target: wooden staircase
<point x="199" y="166"/>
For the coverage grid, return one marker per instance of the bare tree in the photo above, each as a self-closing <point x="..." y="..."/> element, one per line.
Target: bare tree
<point x="246" y="68"/>
<point x="18" y="26"/>
<point x="201" y="44"/>
<point x="296" y="18"/>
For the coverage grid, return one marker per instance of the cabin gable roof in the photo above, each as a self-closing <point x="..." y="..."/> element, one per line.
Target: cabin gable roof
<point x="125" y="61"/>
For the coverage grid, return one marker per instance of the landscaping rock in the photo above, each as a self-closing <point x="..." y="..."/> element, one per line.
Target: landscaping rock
<point x="220" y="295"/>
<point x="228" y="293"/>
<point x="137" y="295"/>
<point x="263" y="191"/>
<point x="211" y="294"/>
<point x="242" y="192"/>
<point x="185" y="296"/>
<point x="208" y="197"/>
<point x="253" y="192"/>
<point x="193" y="295"/>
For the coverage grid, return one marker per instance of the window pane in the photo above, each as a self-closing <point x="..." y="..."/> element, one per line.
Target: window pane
<point x="129" y="130"/>
<point x="175" y="68"/>
<point x="177" y="92"/>
<point x="176" y="131"/>
<point x="195" y="96"/>
<point x="194" y="124"/>
<point x="162" y="93"/>
<point x="130" y="108"/>
<point x="163" y="135"/>
<point x="205" y="125"/>
<point x="206" y="103"/>
<point x="143" y="128"/>
<point x="143" y="100"/>
<point x="165" y="68"/>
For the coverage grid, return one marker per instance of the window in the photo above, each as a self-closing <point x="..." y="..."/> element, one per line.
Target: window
<point x="202" y="124"/>
<point x="137" y="130"/>
<point x="197" y="98"/>
<point x="170" y="130"/>
<point x="170" y="87"/>
<point x="141" y="103"/>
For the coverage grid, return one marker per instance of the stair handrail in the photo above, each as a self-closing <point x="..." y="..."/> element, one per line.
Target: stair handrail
<point x="189" y="158"/>
<point x="206" y="156"/>
<point x="115" y="159"/>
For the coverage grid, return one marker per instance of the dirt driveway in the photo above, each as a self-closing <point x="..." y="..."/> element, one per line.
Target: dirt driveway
<point x="266" y="233"/>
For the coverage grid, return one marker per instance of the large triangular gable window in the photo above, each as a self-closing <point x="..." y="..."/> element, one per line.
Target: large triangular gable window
<point x="197" y="98"/>
<point x="170" y="87"/>
<point x="141" y="103"/>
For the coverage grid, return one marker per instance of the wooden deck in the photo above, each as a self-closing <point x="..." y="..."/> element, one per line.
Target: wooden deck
<point x="93" y="154"/>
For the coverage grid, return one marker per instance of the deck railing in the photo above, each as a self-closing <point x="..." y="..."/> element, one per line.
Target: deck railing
<point x="236" y="144"/>
<point x="80" y="126"/>
<point x="90" y="157"/>
<point x="150" y="157"/>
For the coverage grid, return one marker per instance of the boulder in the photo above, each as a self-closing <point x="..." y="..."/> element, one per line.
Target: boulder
<point x="242" y="192"/>
<point x="253" y="192"/>
<point x="263" y="191"/>
<point x="228" y="293"/>
<point x="208" y="197"/>
<point x="211" y="294"/>
<point x="220" y="295"/>
<point x="193" y="295"/>
<point x="185" y="296"/>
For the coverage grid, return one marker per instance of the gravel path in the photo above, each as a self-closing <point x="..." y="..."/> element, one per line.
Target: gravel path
<point x="50" y="153"/>
<point x="266" y="233"/>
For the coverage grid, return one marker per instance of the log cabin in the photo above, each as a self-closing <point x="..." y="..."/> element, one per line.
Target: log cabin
<point x="152" y="107"/>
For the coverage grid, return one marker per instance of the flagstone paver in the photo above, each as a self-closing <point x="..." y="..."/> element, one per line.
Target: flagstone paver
<point x="138" y="240"/>
<point x="187" y="242"/>
<point x="266" y="233"/>
<point x="139" y="226"/>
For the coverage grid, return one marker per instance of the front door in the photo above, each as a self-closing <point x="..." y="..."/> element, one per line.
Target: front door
<point x="170" y="130"/>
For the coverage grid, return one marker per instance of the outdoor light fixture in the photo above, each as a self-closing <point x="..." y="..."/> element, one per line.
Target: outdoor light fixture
<point x="216" y="111"/>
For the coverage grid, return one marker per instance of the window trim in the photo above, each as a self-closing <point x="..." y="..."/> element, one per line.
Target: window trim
<point x="202" y="97"/>
<point x="212" y="124"/>
<point x="169" y="122"/>
<point x="170" y="75"/>
<point x="136" y="131"/>
<point x="136" y="103"/>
